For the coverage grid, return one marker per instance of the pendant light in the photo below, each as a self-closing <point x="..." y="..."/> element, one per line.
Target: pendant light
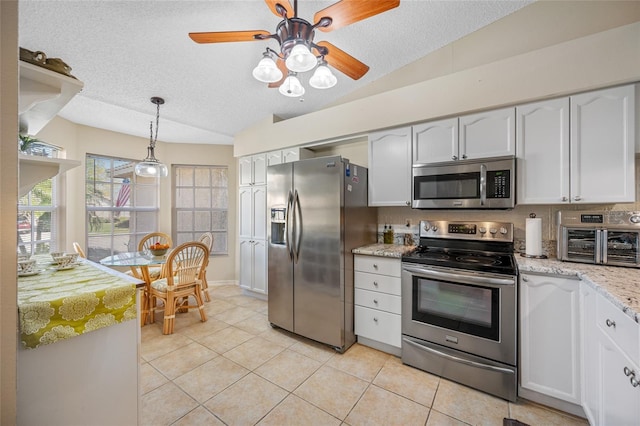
<point x="150" y="166"/>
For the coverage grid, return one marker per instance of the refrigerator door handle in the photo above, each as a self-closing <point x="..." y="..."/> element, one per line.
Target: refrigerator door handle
<point x="297" y="214"/>
<point x="287" y="223"/>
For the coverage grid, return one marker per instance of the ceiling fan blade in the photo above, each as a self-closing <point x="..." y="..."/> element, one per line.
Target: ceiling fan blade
<point x="347" y="12"/>
<point x="283" y="67"/>
<point x="227" y="36"/>
<point x="284" y="3"/>
<point x="343" y="62"/>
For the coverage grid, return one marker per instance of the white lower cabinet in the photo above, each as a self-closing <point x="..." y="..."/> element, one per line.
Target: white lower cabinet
<point x="377" y="302"/>
<point x="550" y="370"/>
<point x="253" y="262"/>
<point x="611" y="355"/>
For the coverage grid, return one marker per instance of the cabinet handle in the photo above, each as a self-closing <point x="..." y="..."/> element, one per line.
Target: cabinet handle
<point x="577" y="198"/>
<point x="525" y="278"/>
<point x="610" y="323"/>
<point x="375" y="319"/>
<point x="464" y="156"/>
<point x="455" y="157"/>
<point x="628" y="372"/>
<point x="375" y="266"/>
<point x="376" y="302"/>
<point x="375" y="283"/>
<point x="565" y="199"/>
<point x="408" y="203"/>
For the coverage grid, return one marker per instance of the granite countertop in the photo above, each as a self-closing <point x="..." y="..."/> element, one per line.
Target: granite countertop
<point x="618" y="284"/>
<point x="383" y="250"/>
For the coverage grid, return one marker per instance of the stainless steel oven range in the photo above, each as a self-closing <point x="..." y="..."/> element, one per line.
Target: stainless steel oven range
<point x="459" y="305"/>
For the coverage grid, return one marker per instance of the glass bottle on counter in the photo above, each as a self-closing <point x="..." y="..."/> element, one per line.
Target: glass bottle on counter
<point x="387" y="236"/>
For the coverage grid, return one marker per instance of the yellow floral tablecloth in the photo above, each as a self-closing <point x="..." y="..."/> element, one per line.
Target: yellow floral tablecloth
<point x="55" y="305"/>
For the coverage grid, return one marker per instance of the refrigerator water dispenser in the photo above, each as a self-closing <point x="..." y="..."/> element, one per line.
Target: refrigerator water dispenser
<point x="278" y="225"/>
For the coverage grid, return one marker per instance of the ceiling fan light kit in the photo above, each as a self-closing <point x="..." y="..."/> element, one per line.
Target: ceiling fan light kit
<point x="298" y="52"/>
<point x="267" y="71"/>
<point x="291" y="86"/>
<point x="150" y="166"/>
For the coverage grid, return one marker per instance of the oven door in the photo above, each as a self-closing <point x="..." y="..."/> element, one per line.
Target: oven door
<point x="621" y="247"/>
<point x="581" y="245"/>
<point x="469" y="311"/>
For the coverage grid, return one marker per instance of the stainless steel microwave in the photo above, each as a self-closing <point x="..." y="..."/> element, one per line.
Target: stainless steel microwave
<point x="487" y="183"/>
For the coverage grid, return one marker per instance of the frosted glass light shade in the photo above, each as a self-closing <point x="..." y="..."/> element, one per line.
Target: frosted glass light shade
<point x="300" y="59"/>
<point x="291" y="87"/>
<point x="323" y="78"/>
<point x="151" y="169"/>
<point x="267" y="71"/>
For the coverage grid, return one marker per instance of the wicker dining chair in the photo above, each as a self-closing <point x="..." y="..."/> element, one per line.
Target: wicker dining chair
<point x="207" y="240"/>
<point x="78" y="249"/>
<point x="155" y="272"/>
<point x="185" y="266"/>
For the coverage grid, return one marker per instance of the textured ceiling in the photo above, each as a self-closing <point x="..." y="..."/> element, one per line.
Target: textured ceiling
<point x="125" y="52"/>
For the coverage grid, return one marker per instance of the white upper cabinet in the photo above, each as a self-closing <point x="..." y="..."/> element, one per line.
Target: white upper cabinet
<point x="253" y="170"/>
<point x="436" y="141"/>
<point x="578" y="149"/>
<point x="603" y="146"/>
<point x="543" y="152"/>
<point x="288" y="155"/>
<point x="390" y="167"/>
<point x="482" y="135"/>
<point x="488" y="134"/>
<point x="273" y="158"/>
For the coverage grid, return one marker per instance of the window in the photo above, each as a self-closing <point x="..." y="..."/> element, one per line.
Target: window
<point x="120" y="206"/>
<point x="37" y="210"/>
<point x="37" y="219"/>
<point x="201" y="203"/>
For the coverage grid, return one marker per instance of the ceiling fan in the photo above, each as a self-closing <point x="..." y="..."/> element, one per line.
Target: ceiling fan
<point x="298" y="51"/>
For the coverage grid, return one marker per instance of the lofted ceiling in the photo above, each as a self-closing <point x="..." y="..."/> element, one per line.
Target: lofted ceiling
<point x="125" y="52"/>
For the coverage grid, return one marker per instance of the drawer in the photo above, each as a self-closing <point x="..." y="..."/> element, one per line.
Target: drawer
<point x="378" y="325"/>
<point x="622" y="330"/>
<point x="376" y="300"/>
<point x="375" y="282"/>
<point x="377" y="265"/>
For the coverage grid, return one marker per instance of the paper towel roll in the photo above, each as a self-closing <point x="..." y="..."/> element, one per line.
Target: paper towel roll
<point x="533" y="237"/>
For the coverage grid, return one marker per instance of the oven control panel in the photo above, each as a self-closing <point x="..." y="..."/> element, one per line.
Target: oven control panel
<point x="600" y="219"/>
<point x="466" y="230"/>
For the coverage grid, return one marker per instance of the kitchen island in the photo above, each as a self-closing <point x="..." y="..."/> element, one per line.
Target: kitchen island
<point x="79" y="352"/>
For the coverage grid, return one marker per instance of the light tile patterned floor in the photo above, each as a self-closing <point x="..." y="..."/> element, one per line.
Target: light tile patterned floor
<point x="235" y="369"/>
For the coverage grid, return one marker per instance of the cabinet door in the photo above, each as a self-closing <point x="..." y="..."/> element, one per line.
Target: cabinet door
<point x="550" y="336"/>
<point x="436" y="141"/>
<point x="259" y="163"/>
<point x="290" y="155"/>
<point x="619" y="398"/>
<point x="259" y="266"/>
<point x="259" y="212"/>
<point x="542" y="140"/>
<point x="245" y="205"/>
<point x="273" y="158"/>
<point x="390" y="167"/>
<point x="603" y="145"/>
<point x="245" y="165"/>
<point x="590" y="364"/>
<point x="488" y="134"/>
<point x="246" y="262"/>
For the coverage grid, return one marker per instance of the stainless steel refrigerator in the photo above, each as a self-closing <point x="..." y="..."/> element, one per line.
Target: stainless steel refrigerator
<point x="317" y="213"/>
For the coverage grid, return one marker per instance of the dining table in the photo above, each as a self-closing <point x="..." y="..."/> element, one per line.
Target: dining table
<point x="139" y="263"/>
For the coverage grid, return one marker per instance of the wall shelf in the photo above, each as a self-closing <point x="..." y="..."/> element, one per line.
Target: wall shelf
<point x="35" y="169"/>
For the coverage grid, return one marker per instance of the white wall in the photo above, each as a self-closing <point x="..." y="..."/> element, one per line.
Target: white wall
<point x="79" y="140"/>
<point x="523" y="65"/>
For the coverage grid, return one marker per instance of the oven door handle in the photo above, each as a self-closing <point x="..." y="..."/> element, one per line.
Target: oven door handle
<point x="457" y="359"/>
<point x="460" y="278"/>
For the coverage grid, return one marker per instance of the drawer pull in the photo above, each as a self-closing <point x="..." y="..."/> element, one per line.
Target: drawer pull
<point x="628" y="372"/>
<point x="610" y="323"/>
<point x="634" y="382"/>
<point x="632" y="377"/>
<point x="375" y="283"/>
<point x="375" y="266"/>
<point x="375" y="319"/>
<point x="375" y="301"/>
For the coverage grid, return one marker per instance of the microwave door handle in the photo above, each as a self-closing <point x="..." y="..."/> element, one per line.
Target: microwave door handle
<point x="483" y="184"/>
